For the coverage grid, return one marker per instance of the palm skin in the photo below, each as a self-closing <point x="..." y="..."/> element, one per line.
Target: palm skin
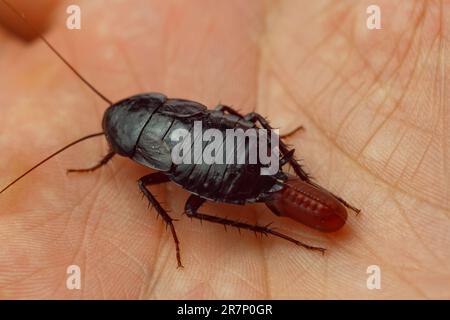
<point x="374" y="104"/>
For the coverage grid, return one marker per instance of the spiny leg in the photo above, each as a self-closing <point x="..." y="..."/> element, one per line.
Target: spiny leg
<point x="230" y="110"/>
<point x="195" y="202"/>
<point x="100" y="164"/>
<point x="287" y="157"/>
<point x="253" y="116"/>
<point x="287" y="154"/>
<point x="157" y="178"/>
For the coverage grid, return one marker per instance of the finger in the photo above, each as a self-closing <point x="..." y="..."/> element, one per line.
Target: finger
<point x="38" y="13"/>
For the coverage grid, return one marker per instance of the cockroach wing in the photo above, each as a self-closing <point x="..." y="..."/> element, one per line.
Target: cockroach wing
<point x="180" y="108"/>
<point x="155" y="154"/>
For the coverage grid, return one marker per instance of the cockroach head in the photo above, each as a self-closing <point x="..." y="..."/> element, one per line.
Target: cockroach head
<point x="124" y="121"/>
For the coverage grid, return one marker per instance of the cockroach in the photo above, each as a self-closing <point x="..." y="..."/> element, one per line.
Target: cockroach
<point x="139" y="127"/>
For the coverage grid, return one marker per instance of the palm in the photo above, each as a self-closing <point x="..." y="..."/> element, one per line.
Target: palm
<point x="372" y="102"/>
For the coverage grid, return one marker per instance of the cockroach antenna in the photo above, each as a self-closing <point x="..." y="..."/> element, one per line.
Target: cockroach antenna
<point x="51" y="156"/>
<point x="24" y="19"/>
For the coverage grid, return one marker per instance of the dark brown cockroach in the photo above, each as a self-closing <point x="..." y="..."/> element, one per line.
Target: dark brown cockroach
<point x="140" y="128"/>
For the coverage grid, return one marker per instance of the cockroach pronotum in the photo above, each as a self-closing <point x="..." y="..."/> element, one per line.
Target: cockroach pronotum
<point x="140" y="127"/>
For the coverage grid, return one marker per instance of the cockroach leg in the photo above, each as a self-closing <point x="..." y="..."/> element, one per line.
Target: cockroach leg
<point x="157" y="178"/>
<point x="194" y="202"/>
<point x="253" y="117"/>
<point x="228" y="109"/>
<point x="256" y="117"/>
<point x="287" y="157"/>
<point x="100" y="164"/>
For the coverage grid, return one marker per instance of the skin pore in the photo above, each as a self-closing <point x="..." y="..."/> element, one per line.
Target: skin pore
<point x="374" y="104"/>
